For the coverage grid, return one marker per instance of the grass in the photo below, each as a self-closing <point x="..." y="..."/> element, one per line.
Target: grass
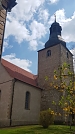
<point x="36" y="129"/>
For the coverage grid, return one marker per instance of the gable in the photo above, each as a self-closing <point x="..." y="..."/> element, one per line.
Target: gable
<point x="19" y="73"/>
<point x="4" y="75"/>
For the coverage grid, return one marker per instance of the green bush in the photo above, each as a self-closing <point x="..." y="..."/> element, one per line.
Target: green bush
<point x="46" y="118"/>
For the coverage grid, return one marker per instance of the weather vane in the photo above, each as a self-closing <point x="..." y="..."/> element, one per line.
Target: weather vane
<point x="55" y="16"/>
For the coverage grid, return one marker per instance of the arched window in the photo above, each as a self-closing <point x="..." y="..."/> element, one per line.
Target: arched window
<point x="48" y="53"/>
<point x="27" y="100"/>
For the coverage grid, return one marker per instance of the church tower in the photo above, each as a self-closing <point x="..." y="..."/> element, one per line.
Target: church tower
<point x="53" y="55"/>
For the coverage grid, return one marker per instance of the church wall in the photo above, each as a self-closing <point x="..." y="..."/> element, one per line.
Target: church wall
<point x="64" y="58"/>
<point x="48" y="96"/>
<point x="5" y="97"/>
<point x="4" y="76"/>
<point x="21" y="116"/>
<point x="47" y="65"/>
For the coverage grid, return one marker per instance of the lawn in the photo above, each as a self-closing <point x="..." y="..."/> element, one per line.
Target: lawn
<point x="36" y="129"/>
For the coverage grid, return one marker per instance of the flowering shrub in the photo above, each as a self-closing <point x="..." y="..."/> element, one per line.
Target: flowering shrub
<point x="46" y="118"/>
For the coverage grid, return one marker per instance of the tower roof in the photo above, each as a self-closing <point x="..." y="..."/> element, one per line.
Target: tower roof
<point x="55" y="35"/>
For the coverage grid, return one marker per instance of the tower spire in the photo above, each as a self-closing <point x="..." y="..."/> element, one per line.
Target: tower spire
<point x="55" y="35"/>
<point x="55" y="17"/>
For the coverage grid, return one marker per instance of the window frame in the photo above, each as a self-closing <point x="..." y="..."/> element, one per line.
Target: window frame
<point x="48" y="54"/>
<point x="67" y="55"/>
<point x="27" y="100"/>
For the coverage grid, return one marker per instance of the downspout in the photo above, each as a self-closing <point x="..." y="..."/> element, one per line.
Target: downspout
<point x="12" y="97"/>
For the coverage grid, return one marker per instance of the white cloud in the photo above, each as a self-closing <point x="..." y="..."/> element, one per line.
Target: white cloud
<point x="22" y="63"/>
<point x="69" y="30"/>
<point x="16" y="29"/>
<point x="60" y="17"/>
<point x="53" y="1"/>
<point x="43" y="15"/>
<point x="24" y="26"/>
<point x="21" y="24"/>
<point x="25" y="9"/>
<point x="41" y="43"/>
<point x="33" y="45"/>
<point x="6" y="45"/>
<point x="21" y="33"/>
<point x="38" y="30"/>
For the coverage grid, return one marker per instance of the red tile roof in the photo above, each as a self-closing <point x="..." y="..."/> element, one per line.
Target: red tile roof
<point x="19" y="73"/>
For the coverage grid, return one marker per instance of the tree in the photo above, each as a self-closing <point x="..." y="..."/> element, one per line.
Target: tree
<point x="64" y="81"/>
<point x="46" y="118"/>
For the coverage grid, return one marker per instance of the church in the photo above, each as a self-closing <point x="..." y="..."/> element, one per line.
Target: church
<point x="22" y="94"/>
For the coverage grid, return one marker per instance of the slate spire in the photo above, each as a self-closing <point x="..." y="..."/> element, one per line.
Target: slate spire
<point x="55" y="35"/>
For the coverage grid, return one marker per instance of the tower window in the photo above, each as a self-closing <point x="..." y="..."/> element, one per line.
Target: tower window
<point x="67" y="55"/>
<point x="48" y="53"/>
<point x="27" y="100"/>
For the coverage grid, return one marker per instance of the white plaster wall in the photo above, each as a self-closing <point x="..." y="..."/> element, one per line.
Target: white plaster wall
<point x="20" y="115"/>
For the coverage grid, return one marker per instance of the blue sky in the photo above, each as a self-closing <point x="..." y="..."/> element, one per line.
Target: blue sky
<point x="27" y="30"/>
